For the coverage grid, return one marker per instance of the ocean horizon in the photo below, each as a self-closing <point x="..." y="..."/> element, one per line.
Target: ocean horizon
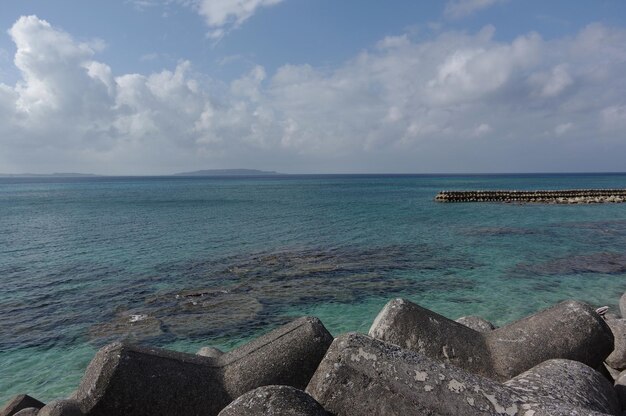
<point x="183" y="262"/>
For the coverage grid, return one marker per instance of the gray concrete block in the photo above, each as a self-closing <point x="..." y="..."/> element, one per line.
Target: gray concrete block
<point x="124" y="379"/>
<point x="19" y="402"/>
<point x="617" y="359"/>
<point x="287" y="356"/>
<point x="274" y="400"/>
<point x="622" y="305"/>
<point x="127" y="379"/>
<point x="363" y="376"/>
<point x="610" y="316"/>
<point x="568" y="381"/>
<point x="61" y="408"/>
<point x="29" y="411"/>
<point x="418" y="329"/>
<point x="620" y="389"/>
<point x="570" y="330"/>
<point x="476" y="323"/>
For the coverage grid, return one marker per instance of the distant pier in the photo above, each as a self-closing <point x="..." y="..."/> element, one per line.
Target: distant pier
<point x="565" y="196"/>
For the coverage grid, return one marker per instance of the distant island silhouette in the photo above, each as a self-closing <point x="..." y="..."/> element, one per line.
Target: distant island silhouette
<point x="38" y="175"/>
<point x="205" y="172"/>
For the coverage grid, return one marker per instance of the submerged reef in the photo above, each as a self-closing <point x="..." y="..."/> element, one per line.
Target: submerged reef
<point x="245" y="293"/>
<point x="233" y="296"/>
<point x="602" y="262"/>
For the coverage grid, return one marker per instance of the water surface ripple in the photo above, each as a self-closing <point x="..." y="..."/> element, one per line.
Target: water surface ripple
<point x="188" y="262"/>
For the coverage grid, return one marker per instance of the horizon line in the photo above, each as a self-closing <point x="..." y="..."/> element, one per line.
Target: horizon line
<point x="275" y="174"/>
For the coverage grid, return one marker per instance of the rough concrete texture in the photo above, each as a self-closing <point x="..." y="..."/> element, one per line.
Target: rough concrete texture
<point x="274" y="401"/>
<point x="363" y="376"/>
<point x="210" y="352"/>
<point x="620" y="389"/>
<point x="570" y="330"/>
<point x="29" y="411"/>
<point x="622" y="305"/>
<point x="610" y="316"/>
<point x="415" y="328"/>
<point x="19" y="402"/>
<point x="61" y="408"/>
<point x="617" y="359"/>
<point x="568" y="381"/>
<point x="126" y="379"/>
<point x="476" y="323"/>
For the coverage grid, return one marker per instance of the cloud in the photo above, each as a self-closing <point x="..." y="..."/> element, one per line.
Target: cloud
<point x="142" y="5"/>
<point x="224" y="15"/>
<point x="457" y="9"/>
<point x="455" y="102"/>
<point x="221" y="16"/>
<point x="553" y="82"/>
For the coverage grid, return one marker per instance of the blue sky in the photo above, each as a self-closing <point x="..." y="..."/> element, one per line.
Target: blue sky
<point x="159" y="86"/>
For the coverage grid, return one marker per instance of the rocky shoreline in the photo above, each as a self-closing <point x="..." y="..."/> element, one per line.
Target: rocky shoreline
<point x="569" y="359"/>
<point x="565" y="196"/>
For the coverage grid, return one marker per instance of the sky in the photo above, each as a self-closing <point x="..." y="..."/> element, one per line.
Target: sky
<point x="134" y="87"/>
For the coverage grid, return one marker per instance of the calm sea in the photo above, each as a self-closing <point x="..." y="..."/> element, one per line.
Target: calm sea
<point x="188" y="262"/>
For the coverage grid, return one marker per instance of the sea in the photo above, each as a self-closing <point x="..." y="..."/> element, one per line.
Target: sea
<point x="187" y="262"/>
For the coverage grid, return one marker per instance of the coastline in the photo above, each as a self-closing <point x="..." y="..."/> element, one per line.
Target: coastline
<point x="567" y="359"/>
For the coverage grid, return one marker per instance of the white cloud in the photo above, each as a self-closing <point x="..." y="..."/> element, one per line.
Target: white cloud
<point x="221" y="16"/>
<point x="455" y="102"/>
<point x="391" y="42"/>
<point x="142" y="4"/>
<point x="457" y="9"/>
<point x="224" y="15"/>
<point x="552" y="83"/>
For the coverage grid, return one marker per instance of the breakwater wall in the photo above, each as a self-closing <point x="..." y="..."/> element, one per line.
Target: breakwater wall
<point x="564" y="196"/>
<point x="569" y="359"/>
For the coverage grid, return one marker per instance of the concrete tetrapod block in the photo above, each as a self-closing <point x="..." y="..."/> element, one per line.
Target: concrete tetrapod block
<point x="126" y="379"/>
<point x="29" y="411"/>
<point x="620" y="389"/>
<point x="476" y="323"/>
<point x="19" y="402"/>
<point x="61" y="408"/>
<point x="364" y="376"/>
<point x="274" y="400"/>
<point x="569" y="381"/>
<point x="287" y="356"/>
<point x="617" y="359"/>
<point x="622" y="305"/>
<point x="570" y="330"/>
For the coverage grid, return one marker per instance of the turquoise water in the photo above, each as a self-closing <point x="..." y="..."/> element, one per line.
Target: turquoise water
<point x="187" y="262"/>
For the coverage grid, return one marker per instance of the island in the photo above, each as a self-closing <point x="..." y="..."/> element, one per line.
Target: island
<point x="47" y="175"/>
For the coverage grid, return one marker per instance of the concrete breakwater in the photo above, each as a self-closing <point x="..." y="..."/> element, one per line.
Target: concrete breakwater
<point x="569" y="359"/>
<point x="565" y="196"/>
